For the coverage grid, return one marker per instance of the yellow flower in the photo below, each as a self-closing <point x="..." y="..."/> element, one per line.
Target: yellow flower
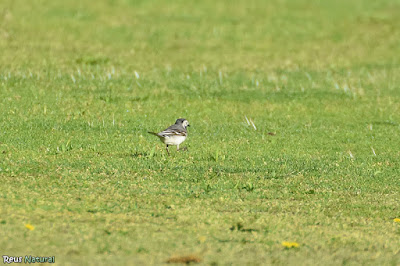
<point x="290" y="244"/>
<point x="30" y="227"/>
<point x="396" y="220"/>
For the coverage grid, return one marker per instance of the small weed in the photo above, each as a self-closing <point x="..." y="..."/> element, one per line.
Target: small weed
<point x="184" y="259"/>
<point x="239" y="227"/>
<point x="65" y="147"/>
<point x="249" y="187"/>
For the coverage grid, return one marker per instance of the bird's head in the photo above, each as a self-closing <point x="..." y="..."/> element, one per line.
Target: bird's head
<point x="183" y="122"/>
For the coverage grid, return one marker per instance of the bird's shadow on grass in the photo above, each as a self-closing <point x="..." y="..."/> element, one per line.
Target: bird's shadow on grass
<point x="137" y="154"/>
<point x="153" y="153"/>
<point x="143" y="154"/>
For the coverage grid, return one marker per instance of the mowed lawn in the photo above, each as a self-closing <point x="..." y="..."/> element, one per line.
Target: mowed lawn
<point x="294" y="108"/>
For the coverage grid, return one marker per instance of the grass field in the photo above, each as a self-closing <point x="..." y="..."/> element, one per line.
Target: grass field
<point x="81" y="83"/>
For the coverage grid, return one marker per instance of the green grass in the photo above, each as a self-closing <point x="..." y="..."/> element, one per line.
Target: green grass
<point x="319" y="79"/>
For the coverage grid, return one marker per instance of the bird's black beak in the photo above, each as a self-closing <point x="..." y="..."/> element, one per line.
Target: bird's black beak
<point x="188" y="125"/>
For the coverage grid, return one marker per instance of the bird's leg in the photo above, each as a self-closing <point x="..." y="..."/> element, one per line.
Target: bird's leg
<point x="177" y="147"/>
<point x="181" y="149"/>
<point x="167" y="149"/>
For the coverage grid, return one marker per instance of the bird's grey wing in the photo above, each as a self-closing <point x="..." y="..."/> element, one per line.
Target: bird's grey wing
<point x="174" y="130"/>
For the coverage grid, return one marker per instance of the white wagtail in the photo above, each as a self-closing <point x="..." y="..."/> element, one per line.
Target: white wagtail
<point x="175" y="134"/>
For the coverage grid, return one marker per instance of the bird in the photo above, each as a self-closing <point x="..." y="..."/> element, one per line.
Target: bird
<point x="174" y="135"/>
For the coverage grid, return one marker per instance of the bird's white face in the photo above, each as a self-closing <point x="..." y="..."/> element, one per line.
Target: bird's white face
<point x="185" y="124"/>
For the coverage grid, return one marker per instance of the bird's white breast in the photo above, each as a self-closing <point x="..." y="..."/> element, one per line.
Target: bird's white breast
<point x="174" y="140"/>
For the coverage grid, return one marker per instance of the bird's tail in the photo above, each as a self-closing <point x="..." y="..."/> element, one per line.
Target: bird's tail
<point x="152" y="133"/>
